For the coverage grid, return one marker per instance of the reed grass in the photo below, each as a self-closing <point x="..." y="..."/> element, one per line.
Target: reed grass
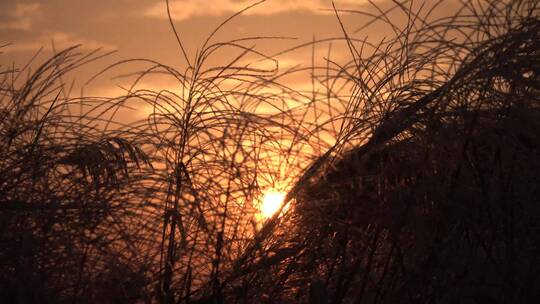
<point x="413" y="170"/>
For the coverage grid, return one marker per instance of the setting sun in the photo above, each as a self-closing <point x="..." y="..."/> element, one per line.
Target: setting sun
<point x="271" y="202"/>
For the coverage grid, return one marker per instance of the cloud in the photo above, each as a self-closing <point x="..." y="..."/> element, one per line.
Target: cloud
<point x="23" y="9"/>
<point x="61" y="41"/>
<point x="20" y="17"/>
<point x="182" y="10"/>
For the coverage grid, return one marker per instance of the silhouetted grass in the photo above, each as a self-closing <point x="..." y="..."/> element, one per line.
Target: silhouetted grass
<point x="417" y="164"/>
<point x="430" y="192"/>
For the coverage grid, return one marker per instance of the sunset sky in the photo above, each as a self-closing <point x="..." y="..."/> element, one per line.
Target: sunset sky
<point x="140" y="29"/>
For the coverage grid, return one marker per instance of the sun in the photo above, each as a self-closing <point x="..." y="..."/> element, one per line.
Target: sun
<point x="271" y="202"/>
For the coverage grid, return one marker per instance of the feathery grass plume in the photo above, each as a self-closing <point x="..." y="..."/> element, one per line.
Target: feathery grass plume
<point x="411" y="170"/>
<point x="211" y="150"/>
<point x="68" y="190"/>
<point x="431" y="195"/>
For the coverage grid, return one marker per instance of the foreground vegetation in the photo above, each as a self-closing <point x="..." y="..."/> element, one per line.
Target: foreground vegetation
<point x="426" y="192"/>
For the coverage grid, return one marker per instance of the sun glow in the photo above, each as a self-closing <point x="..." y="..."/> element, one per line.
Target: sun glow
<point x="271" y="202"/>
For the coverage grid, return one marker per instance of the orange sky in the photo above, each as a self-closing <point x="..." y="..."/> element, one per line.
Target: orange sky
<point x="140" y="29"/>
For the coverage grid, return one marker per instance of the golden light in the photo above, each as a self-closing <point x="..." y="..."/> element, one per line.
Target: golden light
<point x="271" y="202"/>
